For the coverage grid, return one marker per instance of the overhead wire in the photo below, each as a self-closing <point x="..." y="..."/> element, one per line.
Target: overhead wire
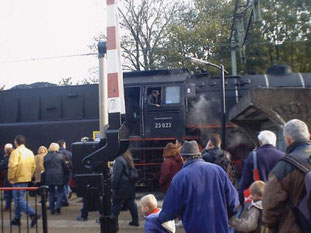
<point x="95" y="54"/>
<point x="47" y="58"/>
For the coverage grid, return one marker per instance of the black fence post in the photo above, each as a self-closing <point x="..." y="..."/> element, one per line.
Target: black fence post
<point x="43" y="192"/>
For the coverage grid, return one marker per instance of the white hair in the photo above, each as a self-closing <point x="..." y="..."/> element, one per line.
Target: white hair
<point x="7" y="146"/>
<point x="297" y="130"/>
<point x="54" y="147"/>
<point x="267" y="137"/>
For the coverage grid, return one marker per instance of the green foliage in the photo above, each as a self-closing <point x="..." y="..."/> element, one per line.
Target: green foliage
<point x="283" y="37"/>
<point x="160" y="33"/>
<point x="201" y="32"/>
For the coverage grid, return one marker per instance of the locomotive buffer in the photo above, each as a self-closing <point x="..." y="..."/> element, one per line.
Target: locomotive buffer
<point x="90" y="159"/>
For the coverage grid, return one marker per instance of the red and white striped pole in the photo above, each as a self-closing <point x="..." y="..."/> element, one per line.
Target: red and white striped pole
<point x="114" y="67"/>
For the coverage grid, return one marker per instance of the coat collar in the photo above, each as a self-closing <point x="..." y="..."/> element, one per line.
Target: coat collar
<point x="267" y="146"/>
<point x="295" y="145"/>
<point x="257" y="204"/>
<point x="192" y="161"/>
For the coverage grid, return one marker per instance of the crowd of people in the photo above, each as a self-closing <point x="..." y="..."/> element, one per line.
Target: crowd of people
<point x="202" y="194"/>
<point x="273" y="194"/>
<point x="21" y="167"/>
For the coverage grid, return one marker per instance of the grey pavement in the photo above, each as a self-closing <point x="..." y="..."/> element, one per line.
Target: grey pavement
<point x="66" y="223"/>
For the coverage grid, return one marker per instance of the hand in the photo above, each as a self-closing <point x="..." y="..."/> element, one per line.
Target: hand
<point x="11" y="182"/>
<point x="158" y="105"/>
<point x="209" y="145"/>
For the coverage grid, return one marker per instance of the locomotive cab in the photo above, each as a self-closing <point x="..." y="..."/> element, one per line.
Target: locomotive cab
<point x="167" y="117"/>
<point x="157" y="106"/>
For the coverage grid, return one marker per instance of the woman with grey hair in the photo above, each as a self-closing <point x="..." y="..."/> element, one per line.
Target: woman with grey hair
<point x="55" y="168"/>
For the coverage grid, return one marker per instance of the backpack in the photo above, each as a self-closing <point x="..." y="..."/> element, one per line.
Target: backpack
<point x="133" y="175"/>
<point x="68" y="165"/>
<point x="130" y="172"/>
<point x="222" y="161"/>
<point x="303" y="210"/>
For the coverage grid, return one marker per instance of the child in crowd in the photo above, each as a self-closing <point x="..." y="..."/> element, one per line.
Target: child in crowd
<point x="150" y="210"/>
<point x="253" y="220"/>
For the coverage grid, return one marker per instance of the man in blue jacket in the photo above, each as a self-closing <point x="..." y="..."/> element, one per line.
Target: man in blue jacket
<point x="201" y="193"/>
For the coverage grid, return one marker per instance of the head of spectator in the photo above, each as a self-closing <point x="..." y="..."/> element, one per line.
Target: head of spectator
<point x="214" y="141"/>
<point x="148" y="204"/>
<point x="170" y="150"/>
<point x="8" y="147"/>
<point x="85" y="139"/>
<point x="19" y="140"/>
<point x="54" y="147"/>
<point x="266" y="137"/>
<point x="296" y="131"/>
<point x="189" y="151"/>
<point x="62" y="143"/>
<point x="179" y="141"/>
<point x="155" y="93"/>
<point x="42" y="150"/>
<point x="257" y="190"/>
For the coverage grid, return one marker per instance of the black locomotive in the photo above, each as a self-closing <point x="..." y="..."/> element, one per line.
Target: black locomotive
<point x="187" y="106"/>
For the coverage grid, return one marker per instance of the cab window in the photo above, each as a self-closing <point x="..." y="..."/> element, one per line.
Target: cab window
<point x="172" y="95"/>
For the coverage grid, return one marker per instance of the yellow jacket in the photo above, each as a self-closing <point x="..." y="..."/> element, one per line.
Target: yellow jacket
<point x="21" y="165"/>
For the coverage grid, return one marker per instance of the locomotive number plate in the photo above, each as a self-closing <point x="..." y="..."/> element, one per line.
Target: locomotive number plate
<point x="164" y="125"/>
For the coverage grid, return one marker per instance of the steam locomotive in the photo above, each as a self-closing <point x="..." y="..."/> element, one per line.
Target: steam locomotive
<point x="189" y="108"/>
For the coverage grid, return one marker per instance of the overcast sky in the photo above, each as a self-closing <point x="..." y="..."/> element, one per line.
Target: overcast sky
<point x="31" y="29"/>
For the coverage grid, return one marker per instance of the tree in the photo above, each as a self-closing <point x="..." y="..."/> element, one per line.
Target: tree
<point x="145" y="25"/>
<point x="65" y="82"/>
<point x="160" y="33"/>
<point x="34" y="85"/>
<point x="92" y="78"/>
<point x="282" y="37"/>
<point x="202" y="31"/>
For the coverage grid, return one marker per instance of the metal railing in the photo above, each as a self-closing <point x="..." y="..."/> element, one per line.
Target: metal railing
<point x="6" y="215"/>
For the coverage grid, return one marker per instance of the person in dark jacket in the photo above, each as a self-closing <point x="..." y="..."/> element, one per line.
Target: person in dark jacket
<point x="54" y="165"/>
<point x="8" y="148"/>
<point x="123" y="190"/>
<point x="201" y="193"/>
<point x="285" y="188"/>
<point x="267" y="157"/>
<point x="171" y="165"/>
<point x="154" y="99"/>
<point x="68" y="159"/>
<point x="212" y="150"/>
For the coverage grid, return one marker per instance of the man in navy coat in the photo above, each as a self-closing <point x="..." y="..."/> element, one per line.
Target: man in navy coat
<point x="267" y="157"/>
<point x="201" y="193"/>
